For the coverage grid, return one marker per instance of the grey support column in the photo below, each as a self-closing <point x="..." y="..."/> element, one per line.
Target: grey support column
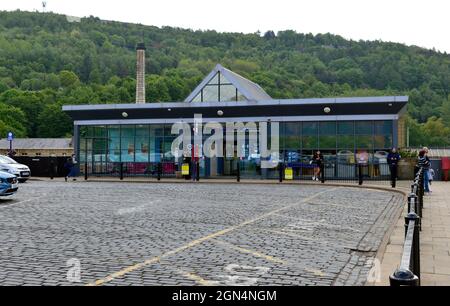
<point x="76" y="144"/>
<point x="395" y="133"/>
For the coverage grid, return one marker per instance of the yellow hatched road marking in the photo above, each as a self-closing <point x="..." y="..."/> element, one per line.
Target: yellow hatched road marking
<point x="197" y="241"/>
<point x="247" y="251"/>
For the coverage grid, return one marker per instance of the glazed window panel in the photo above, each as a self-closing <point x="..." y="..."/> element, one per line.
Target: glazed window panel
<point x="327" y="128"/>
<point x="327" y="142"/>
<point x="310" y="142"/>
<point x="113" y="131"/>
<point x="142" y="149"/>
<point x="127" y="156"/>
<point x="309" y="128"/>
<point x="346" y="128"/>
<point x="364" y="127"/>
<point x="99" y="131"/>
<point x="142" y="130"/>
<point x="198" y="98"/>
<point x="227" y="93"/>
<point x="383" y="141"/>
<point x="211" y="93"/>
<point x="364" y="142"/>
<point x="83" y="131"/>
<point x="383" y="127"/>
<point x="292" y="132"/>
<point x="156" y="142"/>
<point x="346" y="141"/>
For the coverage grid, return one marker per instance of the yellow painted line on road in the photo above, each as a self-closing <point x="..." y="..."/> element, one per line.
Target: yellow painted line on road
<point x="247" y="251"/>
<point x="197" y="241"/>
<point x="198" y="279"/>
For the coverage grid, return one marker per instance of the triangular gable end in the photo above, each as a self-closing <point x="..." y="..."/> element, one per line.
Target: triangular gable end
<point x="223" y="85"/>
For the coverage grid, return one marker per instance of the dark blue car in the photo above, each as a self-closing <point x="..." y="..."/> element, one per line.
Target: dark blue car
<point x="8" y="184"/>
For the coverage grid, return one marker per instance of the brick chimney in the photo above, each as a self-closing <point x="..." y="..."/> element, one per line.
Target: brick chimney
<point x="140" y="73"/>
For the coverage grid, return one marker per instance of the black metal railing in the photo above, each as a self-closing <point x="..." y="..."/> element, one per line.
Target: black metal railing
<point x="408" y="274"/>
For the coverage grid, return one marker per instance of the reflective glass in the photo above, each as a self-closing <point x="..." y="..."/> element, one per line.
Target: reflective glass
<point x="327" y="128"/>
<point x="227" y="93"/>
<point x="364" y="142"/>
<point x="363" y="127"/>
<point x="198" y="98"/>
<point x="383" y="141"/>
<point x="114" y="143"/>
<point x="211" y="93"/>
<point x="345" y="127"/>
<point x="383" y="127"/>
<point x="346" y="141"/>
<point x="309" y="128"/>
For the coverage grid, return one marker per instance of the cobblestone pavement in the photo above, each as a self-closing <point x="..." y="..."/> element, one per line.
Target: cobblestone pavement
<point x="191" y="234"/>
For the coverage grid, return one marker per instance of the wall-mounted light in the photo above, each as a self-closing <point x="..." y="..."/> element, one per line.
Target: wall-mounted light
<point x="169" y="109"/>
<point x="124" y="114"/>
<point x="327" y="110"/>
<point x="220" y="112"/>
<point x="390" y="104"/>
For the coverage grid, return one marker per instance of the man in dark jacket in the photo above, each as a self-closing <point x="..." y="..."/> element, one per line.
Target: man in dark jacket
<point x="393" y="158"/>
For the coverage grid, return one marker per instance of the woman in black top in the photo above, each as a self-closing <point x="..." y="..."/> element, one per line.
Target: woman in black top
<point x="317" y="160"/>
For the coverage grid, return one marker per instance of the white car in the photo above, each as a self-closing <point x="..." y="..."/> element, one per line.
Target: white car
<point x="22" y="172"/>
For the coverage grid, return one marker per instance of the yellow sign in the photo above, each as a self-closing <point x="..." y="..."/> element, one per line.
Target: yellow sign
<point x="185" y="169"/>
<point x="288" y="174"/>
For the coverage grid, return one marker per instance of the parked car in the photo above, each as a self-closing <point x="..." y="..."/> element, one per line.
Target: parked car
<point x="22" y="172"/>
<point x="8" y="184"/>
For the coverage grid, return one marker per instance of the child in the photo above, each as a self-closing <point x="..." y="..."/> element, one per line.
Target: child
<point x="430" y="176"/>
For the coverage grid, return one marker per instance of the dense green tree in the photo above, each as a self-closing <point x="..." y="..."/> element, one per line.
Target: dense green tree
<point x="68" y="78"/>
<point x="53" y="122"/>
<point x="11" y="119"/>
<point x="46" y="61"/>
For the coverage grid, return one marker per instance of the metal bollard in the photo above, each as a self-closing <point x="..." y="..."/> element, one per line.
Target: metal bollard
<point x="85" y="171"/>
<point x="121" y="171"/>
<point x="159" y="170"/>
<point x="403" y="277"/>
<point x="238" y="178"/>
<point x="322" y="173"/>
<point x="360" y="175"/>
<point x="280" y="172"/>
<point x="197" y="172"/>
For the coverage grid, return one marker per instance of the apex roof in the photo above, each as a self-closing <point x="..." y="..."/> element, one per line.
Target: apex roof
<point x="248" y="89"/>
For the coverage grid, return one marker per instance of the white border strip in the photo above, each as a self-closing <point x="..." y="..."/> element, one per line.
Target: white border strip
<point x="239" y="119"/>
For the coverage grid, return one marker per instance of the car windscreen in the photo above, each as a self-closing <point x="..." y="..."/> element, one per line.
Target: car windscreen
<point x="7" y="160"/>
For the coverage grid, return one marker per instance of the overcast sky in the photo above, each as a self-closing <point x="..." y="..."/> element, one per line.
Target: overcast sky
<point x="424" y="23"/>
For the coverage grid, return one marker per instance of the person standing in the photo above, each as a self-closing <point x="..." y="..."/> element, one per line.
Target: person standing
<point x="74" y="171"/>
<point x="393" y="158"/>
<point x="424" y="162"/>
<point x="68" y="166"/>
<point x="317" y="161"/>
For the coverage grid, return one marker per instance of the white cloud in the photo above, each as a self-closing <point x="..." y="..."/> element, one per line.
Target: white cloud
<point x="417" y="22"/>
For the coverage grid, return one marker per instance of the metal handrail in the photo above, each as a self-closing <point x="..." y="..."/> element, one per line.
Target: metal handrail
<point x="408" y="274"/>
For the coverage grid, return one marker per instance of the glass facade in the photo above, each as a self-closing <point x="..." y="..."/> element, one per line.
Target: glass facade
<point x="140" y="148"/>
<point x="219" y="89"/>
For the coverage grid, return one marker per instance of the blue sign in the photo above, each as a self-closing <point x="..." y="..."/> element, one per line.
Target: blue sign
<point x="10" y="136"/>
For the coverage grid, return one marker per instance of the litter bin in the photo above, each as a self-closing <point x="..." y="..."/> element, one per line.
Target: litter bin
<point x="445" y="167"/>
